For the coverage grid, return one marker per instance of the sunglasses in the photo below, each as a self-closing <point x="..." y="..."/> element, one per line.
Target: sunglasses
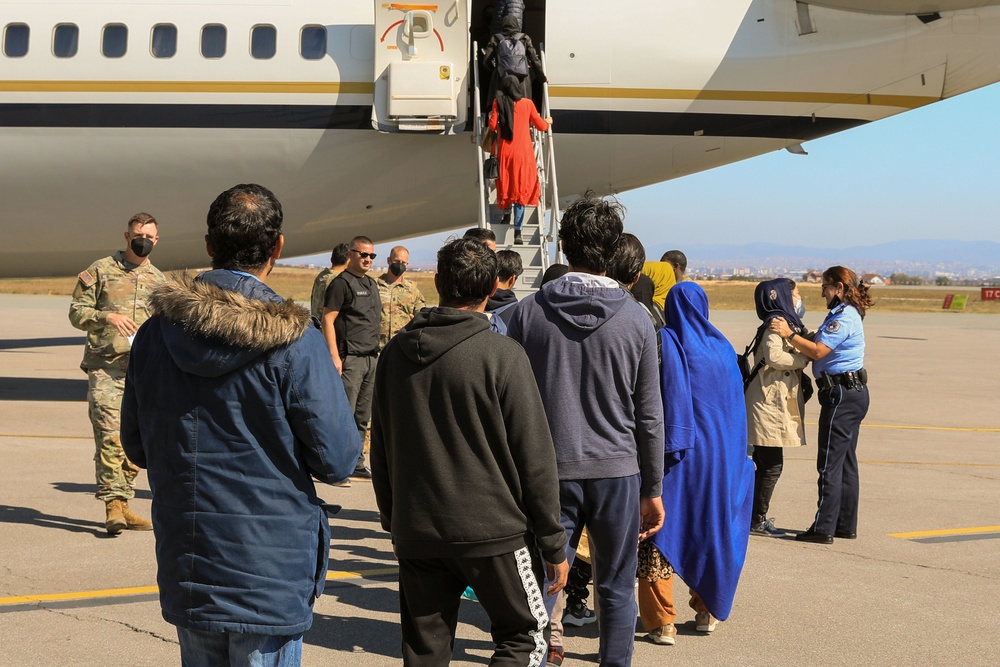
<point x="365" y="255"/>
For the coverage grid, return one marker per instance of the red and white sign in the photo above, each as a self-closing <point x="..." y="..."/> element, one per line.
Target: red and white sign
<point x="991" y="294"/>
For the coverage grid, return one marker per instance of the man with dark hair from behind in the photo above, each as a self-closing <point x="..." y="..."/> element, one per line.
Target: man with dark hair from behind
<point x="678" y="260"/>
<point x="593" y="352"/>
<point x="489" y="468"/>
<point x="233" y="405"/>
<point x="338" y="262"/>
<point x="482" y="235"/>
<point x="509" y="269"/>
<point x="626" y="267"/>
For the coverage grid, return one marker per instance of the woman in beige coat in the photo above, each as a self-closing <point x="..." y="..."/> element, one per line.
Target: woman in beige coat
<point x="774" y="397"/>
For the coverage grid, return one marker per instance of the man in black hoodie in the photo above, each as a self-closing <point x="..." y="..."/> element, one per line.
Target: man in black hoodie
<point x="467" y="486"/>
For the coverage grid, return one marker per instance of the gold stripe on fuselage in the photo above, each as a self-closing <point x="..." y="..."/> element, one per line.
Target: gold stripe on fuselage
<point x="902" y="101"/>
<point x="367" y="88"/>
<point x="282" y="87"/>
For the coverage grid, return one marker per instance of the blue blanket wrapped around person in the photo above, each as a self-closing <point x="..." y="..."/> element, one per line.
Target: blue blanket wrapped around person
<point x="708" y="478"/>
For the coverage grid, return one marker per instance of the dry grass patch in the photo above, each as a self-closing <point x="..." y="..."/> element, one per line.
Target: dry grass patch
<point x="296" y="283"/>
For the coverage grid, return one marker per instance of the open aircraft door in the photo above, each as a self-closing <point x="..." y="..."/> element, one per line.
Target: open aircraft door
<point x="421" y="67"/>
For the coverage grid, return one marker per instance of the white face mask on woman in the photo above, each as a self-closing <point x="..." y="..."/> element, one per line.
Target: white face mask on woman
<point x="800" y="308"/>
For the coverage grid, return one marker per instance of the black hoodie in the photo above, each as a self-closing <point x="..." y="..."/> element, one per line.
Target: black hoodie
<point x="462" y="459"/>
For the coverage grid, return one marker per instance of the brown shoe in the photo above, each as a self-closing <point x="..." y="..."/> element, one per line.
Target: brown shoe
<point x="134" y="521"/>
<point x="114" y="521"/>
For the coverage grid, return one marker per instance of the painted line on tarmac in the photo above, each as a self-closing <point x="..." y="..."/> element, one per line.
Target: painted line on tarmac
<point x="46" y="437"/>
<point x="957" y="538"/>
<point x="946" y="464"/>
<point x="89" y="598"/>
<point x="910" y="427"/>
<point x="947" y="532"/>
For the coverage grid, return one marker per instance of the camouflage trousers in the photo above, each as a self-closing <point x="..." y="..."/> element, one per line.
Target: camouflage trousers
<point x="115" y="473"/>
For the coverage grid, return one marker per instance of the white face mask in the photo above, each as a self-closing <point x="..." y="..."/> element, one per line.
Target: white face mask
<point x="800" y="308"/>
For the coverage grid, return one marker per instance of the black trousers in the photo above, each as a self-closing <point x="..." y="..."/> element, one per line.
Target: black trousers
<point x="769" y="462"/>
<point x="509" y="588"/>
<point x="841" y="412"/>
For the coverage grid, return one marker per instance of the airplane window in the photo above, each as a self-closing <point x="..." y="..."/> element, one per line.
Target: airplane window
<point x="313" y="43"/>
<point x="213" y="40"/>
<point x="164" y="43"/>
<point x="115" y="40"/>
<point x="15" y="40"/>
<point x="65" y="40"/>
<point x="263" y="41"/>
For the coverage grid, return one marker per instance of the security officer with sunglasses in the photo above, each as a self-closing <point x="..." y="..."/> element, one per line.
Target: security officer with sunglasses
<point x="838" y="353"/>
<point x="351" y="321"/>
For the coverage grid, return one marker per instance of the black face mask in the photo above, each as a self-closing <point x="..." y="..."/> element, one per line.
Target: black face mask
<point x="835" y="302"/>
<point x="397" y="269"/>
<point x="141" y="246"/>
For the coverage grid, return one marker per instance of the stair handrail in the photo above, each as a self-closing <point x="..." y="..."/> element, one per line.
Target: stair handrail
<point x="478" y="136"/>
<point x="552" y="181"/>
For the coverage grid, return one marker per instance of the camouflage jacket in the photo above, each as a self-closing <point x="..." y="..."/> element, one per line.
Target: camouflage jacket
<point x="400" y="302"/>
<point x="318" y="299"/>
<point x="110" y="285"/>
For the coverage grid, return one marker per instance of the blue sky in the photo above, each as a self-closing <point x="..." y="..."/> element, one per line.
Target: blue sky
<point x="930" y="173"/>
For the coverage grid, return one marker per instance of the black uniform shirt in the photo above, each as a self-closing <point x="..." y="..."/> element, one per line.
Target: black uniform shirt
<point x="359" y="313"/>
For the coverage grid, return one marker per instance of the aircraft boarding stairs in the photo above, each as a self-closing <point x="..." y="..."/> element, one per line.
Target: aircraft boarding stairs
<point x="421" y="85"/>
<point x="534" y="252"/>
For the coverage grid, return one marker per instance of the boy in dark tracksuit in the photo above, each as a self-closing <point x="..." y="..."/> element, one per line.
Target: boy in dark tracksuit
<point x="464" y="471"/>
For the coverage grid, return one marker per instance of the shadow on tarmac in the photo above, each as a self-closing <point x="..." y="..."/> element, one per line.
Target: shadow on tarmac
<point x="354" y="514"/>
<point x="42" y="389"/>
<point x="353" y="634"/>
<point x="91" y="489"/>
<point x="32" y="517"/>
<point x="24" y="343"/>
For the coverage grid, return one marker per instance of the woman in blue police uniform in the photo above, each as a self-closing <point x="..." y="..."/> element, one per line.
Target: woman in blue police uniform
<point x="838" y="353"/>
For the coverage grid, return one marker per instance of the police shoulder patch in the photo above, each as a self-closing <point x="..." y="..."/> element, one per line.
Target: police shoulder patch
<point x="832" y="326"/>
<point x="87" y="278"/>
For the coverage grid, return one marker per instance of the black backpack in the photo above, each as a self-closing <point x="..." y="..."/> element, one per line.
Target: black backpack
<point x="511" y="55"/>
<point x="748" y="373"/>
<point x="743" y="360"/>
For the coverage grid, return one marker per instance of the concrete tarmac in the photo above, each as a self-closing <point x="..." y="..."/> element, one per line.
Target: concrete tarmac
<point x="920" y="585"/>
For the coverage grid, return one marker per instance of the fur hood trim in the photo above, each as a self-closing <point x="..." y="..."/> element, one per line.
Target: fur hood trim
<point x="208" y="311"/>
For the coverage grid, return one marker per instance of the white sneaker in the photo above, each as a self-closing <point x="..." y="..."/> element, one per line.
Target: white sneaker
<point x="663" y="636"/>
<point x="705" y="622"/>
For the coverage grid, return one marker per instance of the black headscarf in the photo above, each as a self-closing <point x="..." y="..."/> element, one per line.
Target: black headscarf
<point x="510" y="92"/>
<point x="773" y="298"/>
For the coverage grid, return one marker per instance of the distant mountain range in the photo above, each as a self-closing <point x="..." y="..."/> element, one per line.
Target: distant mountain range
<point x="919" y="257"/>
<point x="915" y="257"/>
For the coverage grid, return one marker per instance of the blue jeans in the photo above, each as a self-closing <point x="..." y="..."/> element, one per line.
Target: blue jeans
<point x="200" y="648"/>
<point x="518" y="211"/>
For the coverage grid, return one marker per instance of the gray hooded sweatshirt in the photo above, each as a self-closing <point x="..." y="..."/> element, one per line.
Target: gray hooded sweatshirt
<point x="592" y="349"/>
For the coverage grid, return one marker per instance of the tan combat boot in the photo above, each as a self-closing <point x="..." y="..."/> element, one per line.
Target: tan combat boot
<point x="114" y="521"/>
<point x="133" y="520"/>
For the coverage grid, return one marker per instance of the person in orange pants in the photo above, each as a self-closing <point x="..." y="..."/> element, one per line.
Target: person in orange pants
<point x="656" y="599"/>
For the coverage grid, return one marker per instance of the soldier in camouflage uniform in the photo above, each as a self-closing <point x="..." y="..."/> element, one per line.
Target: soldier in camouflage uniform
<point x="109" y="303"/>
<point x="338" y="262"/>
<point x="401" y="299"/>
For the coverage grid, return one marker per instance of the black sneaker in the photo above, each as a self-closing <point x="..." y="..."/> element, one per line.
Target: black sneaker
<point x="766" y="527"/>
<point x="517" y="237"/>
<point x="578" y="614"/>
<point x="814" y="537"/>
<point x="555" y="658"/>
<point x="362" y="472"/>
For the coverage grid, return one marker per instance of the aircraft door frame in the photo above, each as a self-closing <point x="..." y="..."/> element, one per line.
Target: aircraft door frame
<point x="421" y="67"/>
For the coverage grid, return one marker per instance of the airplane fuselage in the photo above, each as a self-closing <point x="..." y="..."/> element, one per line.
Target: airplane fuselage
<point x="640" y="93"/>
